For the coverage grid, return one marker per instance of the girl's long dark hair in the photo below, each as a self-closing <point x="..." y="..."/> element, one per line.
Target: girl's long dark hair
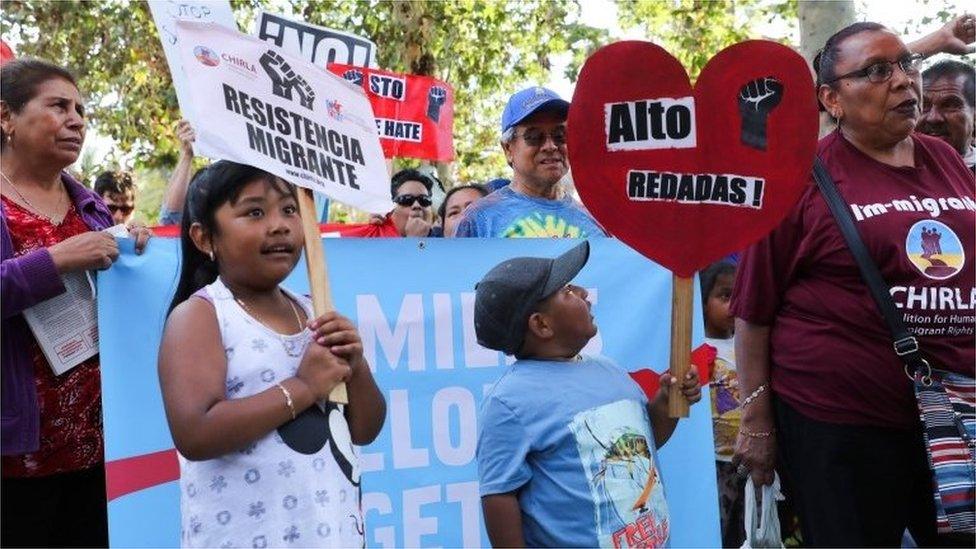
<point x="210" y="188"/>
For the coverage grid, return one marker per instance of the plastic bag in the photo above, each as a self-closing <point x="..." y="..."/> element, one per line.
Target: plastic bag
<point x="762" y="525"/>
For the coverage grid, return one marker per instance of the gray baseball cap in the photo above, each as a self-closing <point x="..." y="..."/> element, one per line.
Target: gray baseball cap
<point x="508" y="294"/>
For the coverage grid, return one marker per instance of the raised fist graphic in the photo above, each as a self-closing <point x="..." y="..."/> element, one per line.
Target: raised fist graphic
<point x="435" y="100"/>
<point x="756" y="100"/>
<point x="284" y="79"/>
<point x="306" y="95"/>
<point x="354" y="75"/>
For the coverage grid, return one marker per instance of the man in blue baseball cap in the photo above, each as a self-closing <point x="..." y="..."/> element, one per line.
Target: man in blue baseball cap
<point x="533" y="205"/>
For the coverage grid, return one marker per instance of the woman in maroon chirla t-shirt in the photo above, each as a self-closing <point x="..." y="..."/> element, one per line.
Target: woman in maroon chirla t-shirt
<point x="828" y="394"/>
<point x="53" y="487"/>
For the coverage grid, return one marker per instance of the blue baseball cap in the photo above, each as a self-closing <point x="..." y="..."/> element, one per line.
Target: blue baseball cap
<point x="498" y="183"/>
<point x="529" y="101"/>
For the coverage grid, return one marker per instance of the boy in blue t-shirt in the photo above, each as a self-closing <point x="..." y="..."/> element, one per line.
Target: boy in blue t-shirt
<point x="567" y="443"/>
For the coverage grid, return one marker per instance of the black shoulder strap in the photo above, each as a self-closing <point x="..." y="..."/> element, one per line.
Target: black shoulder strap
<point x="905" y="344"/>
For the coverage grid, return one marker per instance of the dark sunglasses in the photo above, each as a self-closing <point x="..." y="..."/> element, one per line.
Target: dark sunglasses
<point x="409" y="199"/>
<point x="881" y="71"/>
<point x="535" y="138"/>
<point x="125" y="210"/>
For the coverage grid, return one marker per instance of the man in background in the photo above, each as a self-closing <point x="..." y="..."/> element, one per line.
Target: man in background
<point x="119" y="194"/>
<point x="948" y="106"/>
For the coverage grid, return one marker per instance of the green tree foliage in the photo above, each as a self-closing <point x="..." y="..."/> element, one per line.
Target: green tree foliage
<point x="695" y="30"/>
<point x="930" y="15"/>
<point x="114" y="50"/>
<point x="485" y="49"/>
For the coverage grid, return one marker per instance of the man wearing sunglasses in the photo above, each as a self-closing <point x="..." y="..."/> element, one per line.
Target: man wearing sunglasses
<point x="411" y="214"/>
<point x="533" y="205"/>
<point x="119" y="194"/>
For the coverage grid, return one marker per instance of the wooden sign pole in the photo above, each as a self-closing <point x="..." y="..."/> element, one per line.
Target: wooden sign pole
<point x="318" y="272"/>
<point x="682" y="295"/>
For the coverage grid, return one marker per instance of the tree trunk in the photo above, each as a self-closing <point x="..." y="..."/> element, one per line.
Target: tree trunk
<point x="417" y="23"/>
<point x="819" y="19"/>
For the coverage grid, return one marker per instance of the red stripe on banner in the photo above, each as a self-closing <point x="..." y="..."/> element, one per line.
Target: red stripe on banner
<point x="124" y="476"/>
<point x="166" y="231"/>
<point x="354" y="230"/>
<point x="414" y="114"/>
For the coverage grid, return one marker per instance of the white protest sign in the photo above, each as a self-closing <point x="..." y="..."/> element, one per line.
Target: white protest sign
<point x="166" y="13"/>
<point x="317" y="45"/>
<point x="255" y="104"/>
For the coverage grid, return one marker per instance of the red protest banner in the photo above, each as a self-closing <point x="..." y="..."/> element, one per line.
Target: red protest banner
<point x="343" y="230"/>
<point x="414" y="114"/>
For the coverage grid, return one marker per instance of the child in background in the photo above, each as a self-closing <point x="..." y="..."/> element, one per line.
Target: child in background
<point x="567" y="447"/>
<point x="716" y="289"/>
<point x="243" y="368"/>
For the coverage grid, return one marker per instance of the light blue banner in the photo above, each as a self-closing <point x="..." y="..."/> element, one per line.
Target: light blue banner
<point x="413" y="302"/>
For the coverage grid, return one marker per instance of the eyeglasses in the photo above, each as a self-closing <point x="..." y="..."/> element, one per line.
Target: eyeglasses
<point x="882" y="70"/>
<point x="409" y="199"/>
<point x="124" y="210"/>
<point x="535" y="137"/>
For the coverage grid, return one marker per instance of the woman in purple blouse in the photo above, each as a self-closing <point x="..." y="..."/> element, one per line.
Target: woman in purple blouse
<point x="53" y="487"/>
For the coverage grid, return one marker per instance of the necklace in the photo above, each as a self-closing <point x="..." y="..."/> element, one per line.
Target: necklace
<point x="294" y="309"/>
<point x="34" y="208"/>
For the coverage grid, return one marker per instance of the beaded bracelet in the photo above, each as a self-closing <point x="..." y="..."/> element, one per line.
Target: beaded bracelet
<point x="757" y="434"/>
<point x="288" y="400"/>
<point x="755" y="394"/>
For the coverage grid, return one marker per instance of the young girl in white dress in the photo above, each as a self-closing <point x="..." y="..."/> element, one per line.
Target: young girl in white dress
<point x="245" y="372"/>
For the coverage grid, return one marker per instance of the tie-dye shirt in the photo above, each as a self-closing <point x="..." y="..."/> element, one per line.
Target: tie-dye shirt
<point x="507" y="213"/>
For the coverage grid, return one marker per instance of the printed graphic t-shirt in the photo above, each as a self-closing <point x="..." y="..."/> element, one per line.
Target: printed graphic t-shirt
<point x="507" y="213"/>
<point x="831" y="352"/>
<point x="724" y="386"/>
<point x="574" y="439"/>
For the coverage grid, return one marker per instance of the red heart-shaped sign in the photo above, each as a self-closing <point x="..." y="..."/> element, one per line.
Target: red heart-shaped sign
<point x="684" y="176"/>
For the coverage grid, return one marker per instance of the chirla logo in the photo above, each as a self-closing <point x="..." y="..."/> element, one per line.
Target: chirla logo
<point x="284" y="81"/>
<point x="206" y="56"/>
<point x="334" y="108"/>
<point x="934" y="249"/>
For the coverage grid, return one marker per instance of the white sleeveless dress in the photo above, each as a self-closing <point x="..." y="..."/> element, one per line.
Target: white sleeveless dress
<point x="269" y="495"/>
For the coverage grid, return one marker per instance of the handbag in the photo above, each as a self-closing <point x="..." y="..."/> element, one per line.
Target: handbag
<point x="945" y="399"/>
